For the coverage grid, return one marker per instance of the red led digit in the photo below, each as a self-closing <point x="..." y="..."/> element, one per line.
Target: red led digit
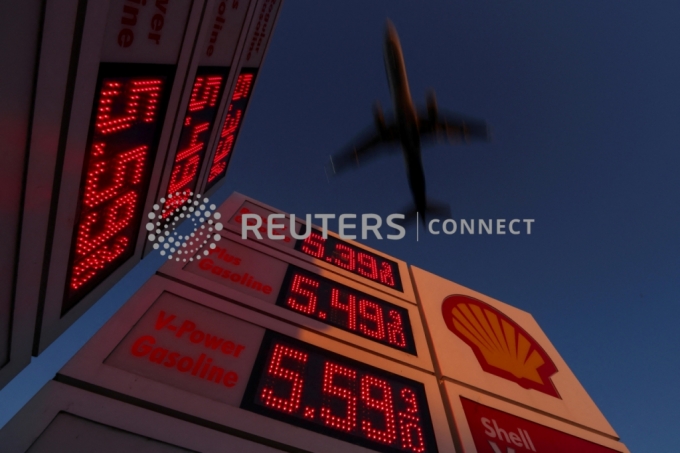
<point x="344" y="257"/>
<point x="116" y="218"/>
<point x="185" y="169"/>
<point x="226" y="143"/>
<point x="350" y="307"/>
<point x="303" y="299"/>
<point x="242" y="88"/>
<point x="386" y="276"/>
<point x="409" y="424"/>
<point x="372" y="312"/>
<point x="276" y="369"/>
<point x="314" y="245"/>
<point x="128" y="167"/>
<point x="395" y="330"/>
<point x="330" y="388"/>
<point x="95" y="262"/>
<point x="205" y="92"/>
<point x="195" y="146"/>
<point x="370" y="386"/>
<point x="139" y="91"/>
<point x="367" y="266"/>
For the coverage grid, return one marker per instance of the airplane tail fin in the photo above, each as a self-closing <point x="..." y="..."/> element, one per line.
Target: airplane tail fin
<point x="434" y="209"/>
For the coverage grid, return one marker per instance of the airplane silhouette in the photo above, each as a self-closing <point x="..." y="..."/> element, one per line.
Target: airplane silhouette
<point x="408" y="128"/>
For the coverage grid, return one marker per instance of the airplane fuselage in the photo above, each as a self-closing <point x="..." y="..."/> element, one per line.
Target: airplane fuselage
<point x="406" y="117"/>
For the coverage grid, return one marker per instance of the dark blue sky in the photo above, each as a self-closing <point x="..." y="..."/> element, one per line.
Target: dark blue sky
<point x="584" y="102"/>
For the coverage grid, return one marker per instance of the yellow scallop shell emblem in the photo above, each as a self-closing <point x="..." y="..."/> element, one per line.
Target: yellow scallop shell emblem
<point x="501" y="346"/>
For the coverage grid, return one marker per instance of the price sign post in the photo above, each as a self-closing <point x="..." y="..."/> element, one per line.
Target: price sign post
<point x="182" y="350"/>
<point x="109" y="80"/>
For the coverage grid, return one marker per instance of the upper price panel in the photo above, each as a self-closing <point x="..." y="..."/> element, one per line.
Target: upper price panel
<point x="342" y="256"/>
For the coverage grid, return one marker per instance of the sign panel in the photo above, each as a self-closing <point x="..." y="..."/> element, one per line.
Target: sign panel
<point x="342" y="256"/>
<point x="183" y="350"/>
<point x="79" y="421"/>
<point x="130" y="103"/>
<point x="17" y="321"/>
<point x="231" y="127"/>
<point x="197" y="125"/>
<point x="190" y="347"/>
<point x="255" y="48"/>
<point x="499" y="349"/>
<point x="109" y="82"/>
<point x="488" y="425"/>
<point x="273" y="282"/>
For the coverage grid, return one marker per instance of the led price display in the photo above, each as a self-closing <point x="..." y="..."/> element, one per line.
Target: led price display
<point x="340" y="306"/>
<point x="128" y="113"/>
<point x="351" y="258"/>
<point x="324" y="392"/>
<point x="232" y="125"/>
<point x="193" y="140"/>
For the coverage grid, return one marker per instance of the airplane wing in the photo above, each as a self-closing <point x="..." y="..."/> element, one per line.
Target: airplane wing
<point x="364" y="148"/>
<point x="453" y="127"/>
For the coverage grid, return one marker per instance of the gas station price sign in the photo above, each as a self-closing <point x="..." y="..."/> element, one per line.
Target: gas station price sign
<point x="332" y="303"/>
<point x="351" y="258"/>
<point x="124" y="130"/>
<point x="197" y="125"/>
<point x="315" y="389"/>
<point x="232" y="125"/>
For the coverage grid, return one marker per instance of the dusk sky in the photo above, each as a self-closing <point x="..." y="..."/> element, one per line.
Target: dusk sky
<point x="583" y="99"/>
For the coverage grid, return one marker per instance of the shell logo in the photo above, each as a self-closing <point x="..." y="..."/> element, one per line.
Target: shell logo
<point x="501" y="346"/>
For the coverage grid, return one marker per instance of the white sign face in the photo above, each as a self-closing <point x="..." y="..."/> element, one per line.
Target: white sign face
<point x="191" y="347"/>
<point x="226" y="26"/>
<point x="260" y="31"/>
<point x="78" y="435"/>
<point x="145" y="32"/>
<point x="500" y="349"/>
<point x="488" y="425"/>
<point x="241" y="268"/>
<point x="249" y="208"/>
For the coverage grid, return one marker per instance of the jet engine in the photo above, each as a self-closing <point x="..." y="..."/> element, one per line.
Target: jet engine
<point x="432" y="111"/>
<point x="379" y="117"/>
